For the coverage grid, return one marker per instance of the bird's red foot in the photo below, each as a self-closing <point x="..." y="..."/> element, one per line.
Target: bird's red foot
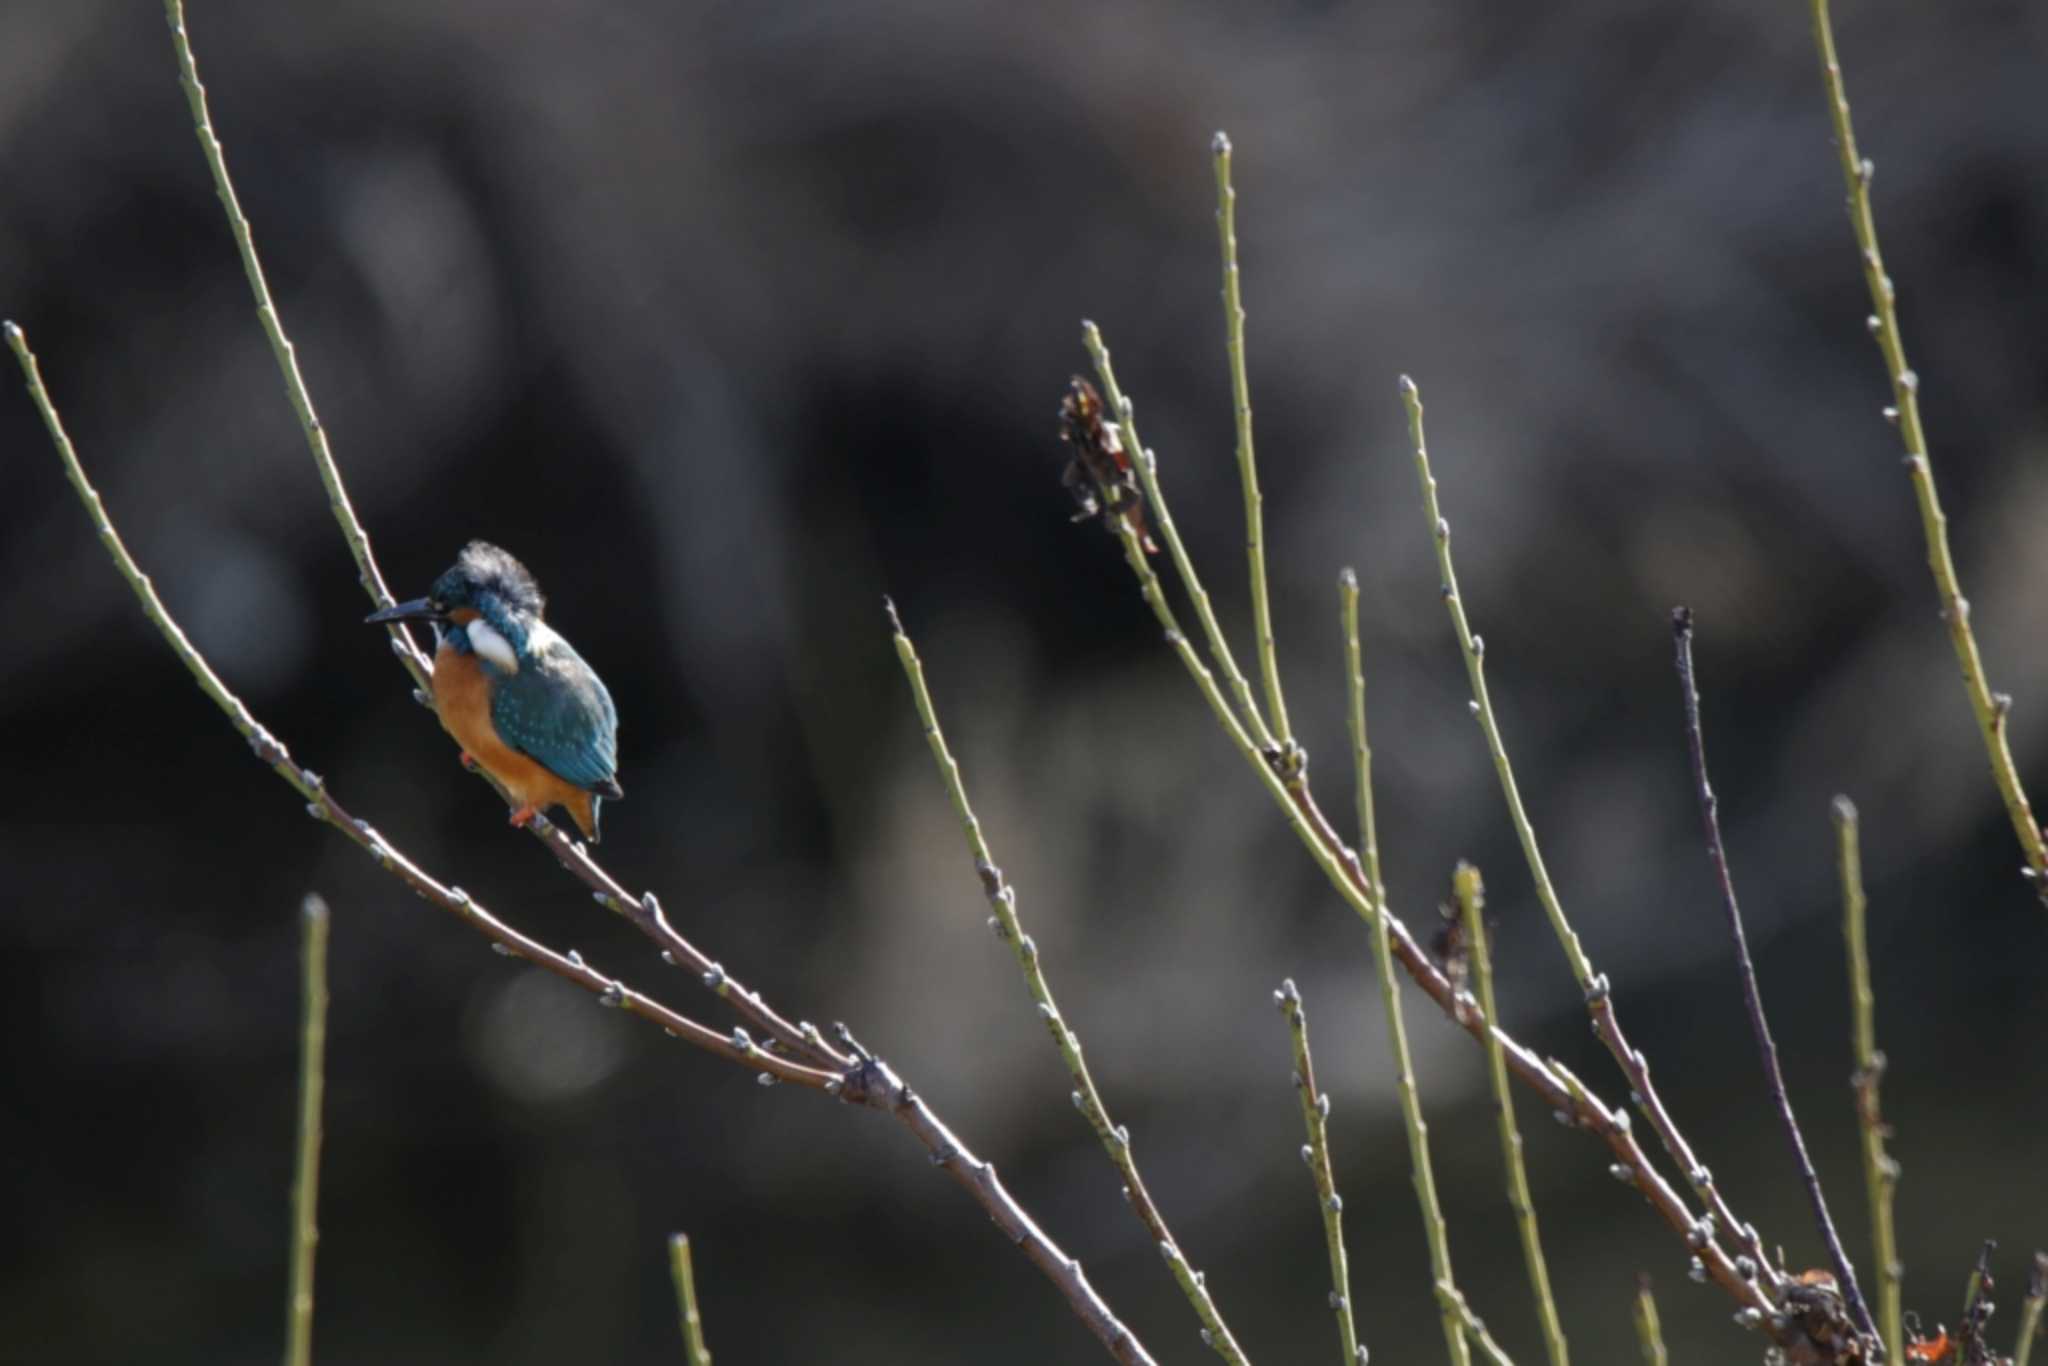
<point x="523" y="817"/>
<point x="467" y="760"/>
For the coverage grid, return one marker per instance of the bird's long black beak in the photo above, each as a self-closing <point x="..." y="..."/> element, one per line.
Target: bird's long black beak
<point x="419" y="609"/>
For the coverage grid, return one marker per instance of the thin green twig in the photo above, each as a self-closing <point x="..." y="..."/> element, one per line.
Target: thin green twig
<point x="686" y="1299"/>
<point x="1474" y="648"/>
<point x="1992" y="709"/>
<point x="1355" y="884"/>
<point x="1247" y="464"/>
<point x="1315" y="1118"/>
<point x="306" y="1176"/>
<point x="281" y="346"/>
<point x="1880" y="1172"/>
<point x="1448" y="1299"/>
<point x="1649" y="1332"/>
<point x="1471" y="894"/>
<point x="2030" y="1310"/>
<point x="1148" y="474"/>
<point x="1002" y="899"/>
<point x="1599" y="1000"/>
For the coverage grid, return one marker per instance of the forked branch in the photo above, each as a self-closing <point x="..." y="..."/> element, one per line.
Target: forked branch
<point x="1285" y="779"/>
<point x="1599" y="998"/>
<point x="644" y="912"/>
<point x="866" y="1081"/>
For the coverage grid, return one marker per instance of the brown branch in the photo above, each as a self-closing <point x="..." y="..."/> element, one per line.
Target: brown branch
<point x="865" y="1081"/>
<point x="1571" y="1102"/>
<point x="1598" y="996"/>
<point x="1285" y="778"/>
<point x="643" y="912"/>
<point x="1752" y="995"/>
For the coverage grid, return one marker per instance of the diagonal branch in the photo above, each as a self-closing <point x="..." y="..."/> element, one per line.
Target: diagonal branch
<point x="867" y="1081"/>
<point x="643" y="912"/>
<point x="1205" y="612"/>
<point x="1991" y="709"/>
<point x="1752" y="997"/>
<point x="1599" y="999"/>
<point x="1566" y="1097"/>
<point x="1002" y="899"/>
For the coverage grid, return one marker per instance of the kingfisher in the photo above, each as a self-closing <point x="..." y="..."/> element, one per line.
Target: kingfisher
<point x="515" y="695"/>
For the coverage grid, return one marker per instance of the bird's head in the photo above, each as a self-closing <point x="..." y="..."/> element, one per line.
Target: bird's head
<point x="486" y="601"/>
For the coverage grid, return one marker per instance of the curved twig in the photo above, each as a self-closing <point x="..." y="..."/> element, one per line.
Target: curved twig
<point x="1992" y="709"/>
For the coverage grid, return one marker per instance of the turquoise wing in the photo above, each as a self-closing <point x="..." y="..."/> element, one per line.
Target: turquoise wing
<point x="557" y="710"/>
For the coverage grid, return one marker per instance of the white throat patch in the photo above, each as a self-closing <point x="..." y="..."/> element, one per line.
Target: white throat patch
<point x="485" y="640"/>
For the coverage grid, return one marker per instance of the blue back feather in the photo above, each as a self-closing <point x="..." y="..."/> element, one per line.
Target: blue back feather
<point x="557" y="709"/>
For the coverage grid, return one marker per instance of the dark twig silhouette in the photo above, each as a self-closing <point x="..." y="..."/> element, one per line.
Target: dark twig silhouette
<point x="1752" y="998"/>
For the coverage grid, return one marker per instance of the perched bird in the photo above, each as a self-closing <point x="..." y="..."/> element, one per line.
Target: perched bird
<point x="514" y="694"/>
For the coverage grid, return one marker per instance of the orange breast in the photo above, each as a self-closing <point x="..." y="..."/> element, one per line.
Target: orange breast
<point x="462" y="699"/>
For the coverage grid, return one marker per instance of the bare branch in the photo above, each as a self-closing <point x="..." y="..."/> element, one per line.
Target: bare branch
<point x="1315" y="1118"/>
<point x="1563" y="1094"/>
<point x="281" y="347"/>
<point x="1249" y="714"/>
<point x="1449" y="1301"/>
<point x="2030" y="1310"/>
<point x="1649" y="1332"/>
<point x="1002" y="900"/>
<point x="1247" y="464"/>
<point x="1992" y="709"/>
<point x="644" y="912"/>
<point x="867" y="1081"/>
<point x="1752" y="997"/>
<point x="1599" y="998"/>
<point x="686" y="1298"/>
<point x="1880" y="1172"/>
<point x="1471" y="894"/>
<point x="306" y="1171"/>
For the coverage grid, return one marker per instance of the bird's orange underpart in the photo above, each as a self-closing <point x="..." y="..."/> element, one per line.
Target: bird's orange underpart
<point x="462" y="699"/>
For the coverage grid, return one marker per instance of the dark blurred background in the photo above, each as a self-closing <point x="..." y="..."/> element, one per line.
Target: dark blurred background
<point x="730" y="319"/>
